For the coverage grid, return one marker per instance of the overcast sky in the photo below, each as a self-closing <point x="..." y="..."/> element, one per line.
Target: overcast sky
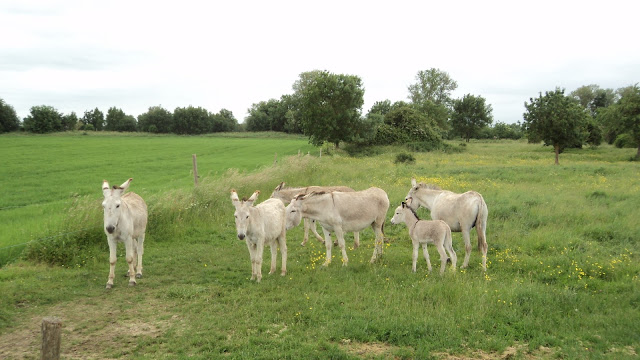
<point x="79" y="55"/>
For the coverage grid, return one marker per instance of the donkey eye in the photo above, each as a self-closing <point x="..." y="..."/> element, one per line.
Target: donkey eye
<point x="117" y="206"/>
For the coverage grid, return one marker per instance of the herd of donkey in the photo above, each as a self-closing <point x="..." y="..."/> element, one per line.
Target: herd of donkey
<point x="336" y="208"/>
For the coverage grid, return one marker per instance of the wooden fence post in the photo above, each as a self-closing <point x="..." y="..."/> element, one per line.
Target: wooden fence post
<point x="275" y="159"/>
<point x="51" y="331"/>
<point x="195" y="170"/>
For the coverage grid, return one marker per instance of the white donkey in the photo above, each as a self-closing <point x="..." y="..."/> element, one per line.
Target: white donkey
<point x="460" y="211"/>
<point x="425" y="232"/>
<point x="287" y="194"/>
<point x="125" y="220"/>
<point x="260" y="225"/>
<point x="342" y="211"/>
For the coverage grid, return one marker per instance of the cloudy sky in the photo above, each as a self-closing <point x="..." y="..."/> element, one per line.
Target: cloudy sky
<point x="77" y="55"/>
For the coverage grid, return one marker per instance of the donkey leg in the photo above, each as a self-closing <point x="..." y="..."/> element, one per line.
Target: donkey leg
<point x="356" y="240"/>
<point x="425" y="252"/>
<point x="259" y="252"/>
<point x="305" y="222"/>
<point x="140" y="251"/>
<point x="452" y="255"/>
<point x="482" y="239"/>
<point x="443" y="257"/>
<point x="377" y="250"/>
<point x="274" y="256"/>
<point x="252" y="257"/>
<point x="315" y="231"/>
<point x="282" y="241"/>
<point x="112" y="262"/>
<point x="467" y="247"/>
<point x="341" y="244"/>
<point x="130" y="252"/>
<point x="328" y="244"/>
<point x="414" y="256"/>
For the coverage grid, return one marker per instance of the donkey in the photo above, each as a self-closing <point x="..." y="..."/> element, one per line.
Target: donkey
<point x="260" y="225"/>
<point x="425" y="232"/>
<point x="342" y="211"/>
<point x="460" y="211"/>
<point x="287" y="194"/>
<point x="125" y="220"/>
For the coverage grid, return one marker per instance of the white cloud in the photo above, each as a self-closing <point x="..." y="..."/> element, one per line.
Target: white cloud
<point x="78" y="55"/>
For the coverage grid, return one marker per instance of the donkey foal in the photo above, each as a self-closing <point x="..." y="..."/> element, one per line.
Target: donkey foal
<point x="260" y="225"/>
<point x="425" y="232"/>
<point x="125" y="220"/>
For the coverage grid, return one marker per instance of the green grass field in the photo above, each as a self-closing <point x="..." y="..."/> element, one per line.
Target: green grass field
<point x="44" y="175"/>
<point x="562" y="279"/>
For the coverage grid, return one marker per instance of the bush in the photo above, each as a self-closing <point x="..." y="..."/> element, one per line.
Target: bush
<point x="362" y="150"/>
<point x="625" y="141"/>
<point x="404" y="158"/>
<point x="425" y="146"/>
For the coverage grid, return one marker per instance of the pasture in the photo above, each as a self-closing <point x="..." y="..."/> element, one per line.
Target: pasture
<point x="561" y="281"/>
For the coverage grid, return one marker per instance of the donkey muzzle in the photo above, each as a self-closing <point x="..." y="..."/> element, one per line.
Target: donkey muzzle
<point x="110" y="229"/>
<point x="241" y="236"/>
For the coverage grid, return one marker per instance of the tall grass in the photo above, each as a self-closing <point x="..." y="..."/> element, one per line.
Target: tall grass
<point x="562" y="279"/>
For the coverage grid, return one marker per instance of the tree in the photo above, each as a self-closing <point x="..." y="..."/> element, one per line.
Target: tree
<point x="43" y="119"/>
<point x="329" y="106"/>
<point x="224" y="121"/>
<point x="555" y="119"/>
<point x="94" y="118"/>
<point x="117" y="120"/>
<point x="431" y="95"/>
<point x="156" y="120"/>
<point x="70" y="122"/>
<point x="470" y="115"/>
<point x="192" y="120"/>
<point x="625" y="114"/>
<point x="9" y="120"/>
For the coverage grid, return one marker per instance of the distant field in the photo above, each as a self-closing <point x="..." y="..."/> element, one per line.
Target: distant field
<point x="563" y="277"/>
<point x="43" y="174"/>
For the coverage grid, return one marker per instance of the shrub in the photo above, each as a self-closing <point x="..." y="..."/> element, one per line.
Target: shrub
<point x="404" y="158"/>
<point x="625" y="141"/>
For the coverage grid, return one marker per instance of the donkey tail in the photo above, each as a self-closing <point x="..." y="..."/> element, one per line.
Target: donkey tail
<point x="481" y="225"/>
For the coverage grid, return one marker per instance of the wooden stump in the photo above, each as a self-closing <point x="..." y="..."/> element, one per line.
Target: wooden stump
<point x="51" y="331"/>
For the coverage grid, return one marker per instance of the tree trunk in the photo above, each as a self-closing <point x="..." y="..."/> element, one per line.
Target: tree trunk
<point x="556" y="147"/>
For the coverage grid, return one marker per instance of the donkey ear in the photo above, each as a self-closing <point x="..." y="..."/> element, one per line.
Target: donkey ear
<point x="105" y="188"/>
<point x="408" y="201"/>
<point x="413" y="182"/>
<point x="253" y="197"/>
<point x="279" y="187"/>
<point x="125" y="184"/>
<point x="234" y="197"/>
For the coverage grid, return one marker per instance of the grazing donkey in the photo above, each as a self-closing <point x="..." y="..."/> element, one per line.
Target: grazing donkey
<point x="460" y="211"/>
<point x="425" y="232"/>
<point x="260" y="225"/>
<point x="342" y="211"/>
<point x="287" y="194"/>
<point x="125" y="219"/>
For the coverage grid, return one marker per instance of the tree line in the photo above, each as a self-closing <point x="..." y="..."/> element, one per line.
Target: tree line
<point x="183" y="120"/>
<point x="327" y="107"/>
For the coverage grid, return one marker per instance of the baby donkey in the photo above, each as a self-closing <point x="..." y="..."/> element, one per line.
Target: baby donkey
<point x="425" y="232"/>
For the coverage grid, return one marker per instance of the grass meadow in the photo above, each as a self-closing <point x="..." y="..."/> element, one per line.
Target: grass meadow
<point x="562" y="279"/>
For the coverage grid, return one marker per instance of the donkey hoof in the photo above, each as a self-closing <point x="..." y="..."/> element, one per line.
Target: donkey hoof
<point x="302" y="244"/>
<point x="109" y="286"/>
<point x="138" y="276"/>
<point x="132" y="283"/>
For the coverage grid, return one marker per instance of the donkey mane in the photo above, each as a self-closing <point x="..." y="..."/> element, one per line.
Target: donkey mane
<point x="413" y="211"/>
<point x="429" y="186"/>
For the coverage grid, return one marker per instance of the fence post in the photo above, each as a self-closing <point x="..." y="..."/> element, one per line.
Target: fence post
<point x="320" y="152"/>
<point x="275" y="159"/>
<point x="195" y="170"/>
<point x="51" y="330"/>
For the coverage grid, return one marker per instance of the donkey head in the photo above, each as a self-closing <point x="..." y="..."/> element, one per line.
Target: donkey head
<point x="276" y="192"/>
<point x="243" y="214"/>
<point x="111" y="204"/>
